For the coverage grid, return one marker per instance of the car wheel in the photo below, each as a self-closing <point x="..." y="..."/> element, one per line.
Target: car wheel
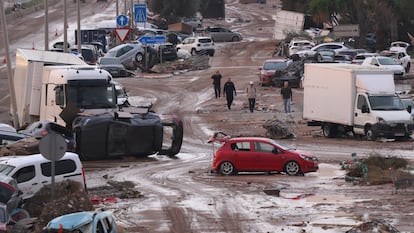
<point x="292" y="168"/>
<point x="369" y="134"/>
<point x="139" y="57"/>
<point x="193" y="52"/>
<point x="227" y="168"/>
<point x="235" y="38"/>
<point x="407" y="69"/>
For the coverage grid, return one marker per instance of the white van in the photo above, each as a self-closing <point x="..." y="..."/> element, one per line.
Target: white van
<point x="32" y="172"/>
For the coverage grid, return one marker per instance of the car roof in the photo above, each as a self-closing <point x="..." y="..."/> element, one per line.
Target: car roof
<point x="75" y="220"/>
<point x="7" y="127"/>
<point x="17" y="160"/>
<point x="276" y="60"/>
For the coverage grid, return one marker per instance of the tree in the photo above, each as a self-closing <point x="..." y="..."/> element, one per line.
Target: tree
<point x="173" y="10"/>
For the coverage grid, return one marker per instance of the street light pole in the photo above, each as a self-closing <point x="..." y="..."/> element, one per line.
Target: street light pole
<point x="78" y="35"/>
<point x="65" y="29"/>
<point x="45" y="2"/>
<point x="12" y="94"/>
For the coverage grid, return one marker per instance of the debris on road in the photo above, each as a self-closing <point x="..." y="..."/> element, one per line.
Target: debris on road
<point x="376" y="225"/>
<point x="277" y="129"/>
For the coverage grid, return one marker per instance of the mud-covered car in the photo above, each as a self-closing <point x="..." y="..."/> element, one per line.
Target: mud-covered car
<point x="259" y="154"/>
<point x="88" y="221"/>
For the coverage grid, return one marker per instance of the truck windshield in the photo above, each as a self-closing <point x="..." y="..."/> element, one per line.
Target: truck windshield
<point x="385" y="103"/>
<point x="92" y="96"/>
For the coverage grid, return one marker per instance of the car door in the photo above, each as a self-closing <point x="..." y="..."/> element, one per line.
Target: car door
<point x="243" y="156"/>
<point x="270" y="157"/>
<point x="27" y="181"/>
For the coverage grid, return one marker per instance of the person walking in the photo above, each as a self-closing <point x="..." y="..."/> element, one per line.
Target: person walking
<point x="228" y="91"/>
<point x="217" y="83"/>
<point x="286" y="93"/>
<point x="251" y="95"/>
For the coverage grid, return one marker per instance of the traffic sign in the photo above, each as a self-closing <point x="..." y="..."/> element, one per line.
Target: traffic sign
<point x="122" y="33"/>
<point x="140" y="13"/>
<point x="152" y="39"/>
<point x="52" y="146"/>
<point x="122" y="20"/>
<point x="349" y="30"/>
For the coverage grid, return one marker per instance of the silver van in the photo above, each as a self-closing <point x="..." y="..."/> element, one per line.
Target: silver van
<point x="32" y="172"/>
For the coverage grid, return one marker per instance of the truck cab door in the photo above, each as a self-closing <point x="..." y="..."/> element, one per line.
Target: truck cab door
<point x="52" y="108"/>
<point x="362" y="114"/>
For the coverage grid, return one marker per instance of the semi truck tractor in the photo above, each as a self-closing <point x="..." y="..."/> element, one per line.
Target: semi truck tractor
<point x="352" y="99"/>
<point x="61" y="88"/>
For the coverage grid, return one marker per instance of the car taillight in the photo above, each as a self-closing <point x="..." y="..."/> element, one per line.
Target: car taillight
<point x="44" y="132"/>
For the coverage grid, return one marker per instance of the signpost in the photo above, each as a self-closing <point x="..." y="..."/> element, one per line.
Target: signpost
<point x="140" y="13"/>
<point x="122" y="20"/>
<point x="152" y="39"/>
<point x="53" y="147"/>
<point x="350" y="30"/>
<point x="122" y="33"/>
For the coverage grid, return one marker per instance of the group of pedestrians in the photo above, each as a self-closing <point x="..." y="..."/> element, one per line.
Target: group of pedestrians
<point x="229" y="91"/>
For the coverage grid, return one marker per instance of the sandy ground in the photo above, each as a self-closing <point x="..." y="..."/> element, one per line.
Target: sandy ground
<point x="181" y="195"/>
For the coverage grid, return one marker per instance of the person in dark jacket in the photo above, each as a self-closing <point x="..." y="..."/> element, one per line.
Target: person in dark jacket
<point x="217" y="83"/>
<point x="229" y="91"/>
<point x="286" y="93"/>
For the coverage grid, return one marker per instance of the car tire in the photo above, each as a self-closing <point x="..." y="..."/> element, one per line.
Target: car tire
<point x="235" y="38"/>
<point x="139" y="57"/>
<point x="292" y="168"/>
<point x="369" y="134"/>
<point x="193" y="52"/>
<point x="227" y="168"/>
<point x="407" y="69"/>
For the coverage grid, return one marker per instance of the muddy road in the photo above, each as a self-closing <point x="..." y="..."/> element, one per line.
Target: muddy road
<point x="180" y="194"/>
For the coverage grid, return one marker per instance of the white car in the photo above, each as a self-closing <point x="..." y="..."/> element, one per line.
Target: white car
<point x="335" y="46"/>
<point x="401" y="56"/>
<point x="198" y="45"/>
<point x="399" y="46"/>
<point x="299" y="45"/>
<point x="385" y="62"/>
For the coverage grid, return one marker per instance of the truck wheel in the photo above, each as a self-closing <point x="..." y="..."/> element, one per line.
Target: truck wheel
<point x="369" y="134"/>
<point x="329" y="130"/>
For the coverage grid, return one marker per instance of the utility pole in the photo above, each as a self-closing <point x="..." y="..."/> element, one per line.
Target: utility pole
<point x="12" y="94"/>
<point x="45" y="2"/>
<point x="65" y="29"/>
<point x="78" y="35"/>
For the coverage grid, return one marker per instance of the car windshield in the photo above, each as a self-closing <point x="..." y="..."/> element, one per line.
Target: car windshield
<point x="386" y="103"/>
<point x="6" y="169"/>
<point x="275" y="65"/>
<point x="92" y="97"/>
<point x="387" y="61"/>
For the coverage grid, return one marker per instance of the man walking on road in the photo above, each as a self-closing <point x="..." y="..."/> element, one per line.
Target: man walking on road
<point x="228" y="90"/>
<point x="286" y="93"/>
<point x="251" y="95"/>
<point x="217" y="83"/>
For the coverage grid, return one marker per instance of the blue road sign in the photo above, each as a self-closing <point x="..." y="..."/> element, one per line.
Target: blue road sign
<point x="152" y="39"/>
<point x="122" y="20"/>
<point x="140" y="13"/>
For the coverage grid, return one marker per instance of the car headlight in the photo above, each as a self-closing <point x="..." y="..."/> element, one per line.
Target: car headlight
<point x="307" y="158"/>
<point x="381" y="120"/>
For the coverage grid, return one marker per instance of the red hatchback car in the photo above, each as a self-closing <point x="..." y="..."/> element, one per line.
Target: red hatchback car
<point x="258" y="154"/>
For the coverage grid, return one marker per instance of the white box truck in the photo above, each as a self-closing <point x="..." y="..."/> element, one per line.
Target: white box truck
<point x="347" y="98"/>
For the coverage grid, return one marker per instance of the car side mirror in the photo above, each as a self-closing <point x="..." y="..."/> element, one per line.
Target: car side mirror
<point x="275" y="151"/>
